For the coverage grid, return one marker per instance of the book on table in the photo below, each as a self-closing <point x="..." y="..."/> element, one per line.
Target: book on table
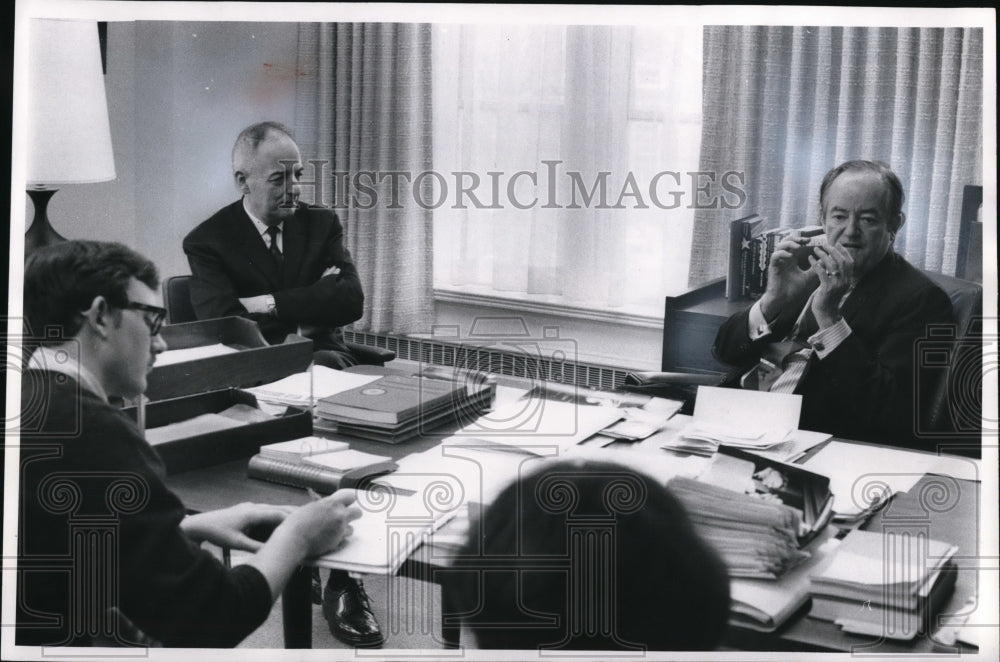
<point x="321" y="464"/>
<point x="391" y="399"/>
<point x="884" y="583"/>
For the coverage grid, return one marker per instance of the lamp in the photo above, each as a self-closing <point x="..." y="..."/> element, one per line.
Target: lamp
<point x="69" y="135"/>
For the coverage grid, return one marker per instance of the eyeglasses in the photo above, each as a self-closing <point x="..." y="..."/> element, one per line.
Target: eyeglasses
<point x="155" y="323"/>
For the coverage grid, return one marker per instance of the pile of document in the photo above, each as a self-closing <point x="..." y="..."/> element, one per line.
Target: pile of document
<point x="394" y="408"/>
<point x="884" y="584"/>
<point x="755" y="537"/>
<point x="390" y="528"/>
<point x="738" y="418"/>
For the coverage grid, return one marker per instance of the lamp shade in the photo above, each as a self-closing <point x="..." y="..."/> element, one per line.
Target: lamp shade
<point x="69" y="135"/>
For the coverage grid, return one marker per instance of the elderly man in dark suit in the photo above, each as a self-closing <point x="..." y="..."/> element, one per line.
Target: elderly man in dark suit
<point x="283" y="264"/>
<point x="271" y="258"/>
<point x="843" y="331"/>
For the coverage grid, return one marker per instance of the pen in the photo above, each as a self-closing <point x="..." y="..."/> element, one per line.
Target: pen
<point x="313" y="494"/>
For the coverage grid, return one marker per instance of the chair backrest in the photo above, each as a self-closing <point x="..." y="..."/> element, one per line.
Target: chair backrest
<point x="969" y="262"/>
<point x="955" y="403"/>
<point x="177" y="295"/>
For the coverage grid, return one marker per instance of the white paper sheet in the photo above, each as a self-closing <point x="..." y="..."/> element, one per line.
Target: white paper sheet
<point x="303" y="389"/>
<point x="192" y="354"/>
<point x="751" y="418"/>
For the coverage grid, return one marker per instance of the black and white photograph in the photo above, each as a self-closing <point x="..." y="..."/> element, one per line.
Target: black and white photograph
<point x="492" y="331"/>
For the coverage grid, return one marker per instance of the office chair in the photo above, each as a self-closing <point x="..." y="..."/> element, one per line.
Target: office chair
<point x="969" y="262"/>
<point x="177" y="295"/>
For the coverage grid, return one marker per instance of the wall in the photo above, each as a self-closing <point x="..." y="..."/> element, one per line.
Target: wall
<point x="178" y="94"/>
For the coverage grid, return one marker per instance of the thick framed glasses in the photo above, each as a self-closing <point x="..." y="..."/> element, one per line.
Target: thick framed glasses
<point x="155" y="318"/>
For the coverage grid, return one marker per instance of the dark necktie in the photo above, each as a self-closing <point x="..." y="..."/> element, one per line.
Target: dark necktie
<point x="273" y="230"/>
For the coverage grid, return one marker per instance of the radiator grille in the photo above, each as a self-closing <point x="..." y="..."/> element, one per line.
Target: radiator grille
<point x="494" y="360"/>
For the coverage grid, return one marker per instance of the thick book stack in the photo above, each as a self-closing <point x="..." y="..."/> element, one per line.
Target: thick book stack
<point x="395" y="408"/>
<point x="320" y="464"/>
<point x="741" y="239"/>
<point x="884" y="584"/>
<point x="757" y="512"/>
<point x="750" y="247"/>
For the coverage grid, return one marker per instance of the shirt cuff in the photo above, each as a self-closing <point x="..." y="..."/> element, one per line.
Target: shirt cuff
<point x="758" y="326"/>
<point x="826" y="340"/>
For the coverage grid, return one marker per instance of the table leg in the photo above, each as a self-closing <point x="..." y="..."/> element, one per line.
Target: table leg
<point x="296" y="609"/>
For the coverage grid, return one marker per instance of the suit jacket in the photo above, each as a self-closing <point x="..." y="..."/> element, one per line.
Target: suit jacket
<point x="230" y="260"/>
<point x="100" y="529"/>
<point x="865" y="388"/>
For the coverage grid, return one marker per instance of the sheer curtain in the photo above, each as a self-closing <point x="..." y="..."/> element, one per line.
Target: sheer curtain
<point x="564" y="129"/>
<point x="786" y="104"/>
<point x="363" y="111"/>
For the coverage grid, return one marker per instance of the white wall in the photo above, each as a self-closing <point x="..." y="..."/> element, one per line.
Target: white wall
<point x="178" y="94"/>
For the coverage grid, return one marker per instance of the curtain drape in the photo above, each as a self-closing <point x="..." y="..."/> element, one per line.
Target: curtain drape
<point x="786" y="104"/>
<point x="363" y="111"/>
<point x="565" y="117"/>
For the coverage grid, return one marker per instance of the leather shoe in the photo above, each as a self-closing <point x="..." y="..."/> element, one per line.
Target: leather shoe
<point x="349" y="614"/>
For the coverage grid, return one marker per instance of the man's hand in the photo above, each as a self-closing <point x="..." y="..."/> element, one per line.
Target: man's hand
<point x="834" y="267"/>
<point x="321" y="526"/>
<point x="228" y="527"/>
<point x="787" y="284"/>
<point x="263" y="304"/>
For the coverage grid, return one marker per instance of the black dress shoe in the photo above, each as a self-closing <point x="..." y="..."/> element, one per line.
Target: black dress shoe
<point x="349" y="614"/>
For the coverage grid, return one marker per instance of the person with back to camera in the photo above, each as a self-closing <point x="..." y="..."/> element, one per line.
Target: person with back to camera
<point x="585" y="556"/>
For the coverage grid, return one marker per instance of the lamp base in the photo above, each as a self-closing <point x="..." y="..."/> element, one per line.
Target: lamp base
<point x="41" y="233"/>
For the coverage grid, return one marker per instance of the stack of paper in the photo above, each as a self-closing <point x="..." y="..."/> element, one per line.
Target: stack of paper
<point x="537" y="426"/>
<point x="756" y="538"/>
<point x="386" y="533"/>
<point x="884" y="584"/>
<point x="739" y="418"/>
<point x="303" y="389"/>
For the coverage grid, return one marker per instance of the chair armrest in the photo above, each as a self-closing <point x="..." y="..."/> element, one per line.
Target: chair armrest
<point x="652" y="379"/>
<point x="680" y="386"/>
<point x="368" y="355"/>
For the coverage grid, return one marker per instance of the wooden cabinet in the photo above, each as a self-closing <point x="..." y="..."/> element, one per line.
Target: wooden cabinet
<point x="690" y="322"/>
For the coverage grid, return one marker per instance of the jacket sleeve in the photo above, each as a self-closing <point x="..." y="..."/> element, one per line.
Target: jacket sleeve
<point x="872" y="381"/>
<point x="213" y="290"/>
<point x="169" y="587"/>
<point x="333" y="300"/>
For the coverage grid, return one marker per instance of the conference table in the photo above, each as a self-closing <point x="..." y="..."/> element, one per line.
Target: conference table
<point x="946" y="509"/>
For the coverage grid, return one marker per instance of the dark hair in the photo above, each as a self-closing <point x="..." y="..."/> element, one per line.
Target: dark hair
<point x="657" y="583"/>
<point x="890" y="182"/>
<point x="62" y="280"/>
<point x="250" y="137"/>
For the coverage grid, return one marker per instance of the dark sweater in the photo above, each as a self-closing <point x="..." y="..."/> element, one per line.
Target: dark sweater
<point x="98" y="529"/>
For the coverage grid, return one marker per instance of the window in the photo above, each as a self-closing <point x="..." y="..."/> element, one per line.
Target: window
<point x="566" y="159"/>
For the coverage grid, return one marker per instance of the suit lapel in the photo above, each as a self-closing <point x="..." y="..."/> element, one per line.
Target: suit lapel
<point x="253" y="247"/>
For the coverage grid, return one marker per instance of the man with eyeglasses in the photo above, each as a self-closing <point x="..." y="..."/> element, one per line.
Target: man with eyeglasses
<point x="106" y="553"/>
